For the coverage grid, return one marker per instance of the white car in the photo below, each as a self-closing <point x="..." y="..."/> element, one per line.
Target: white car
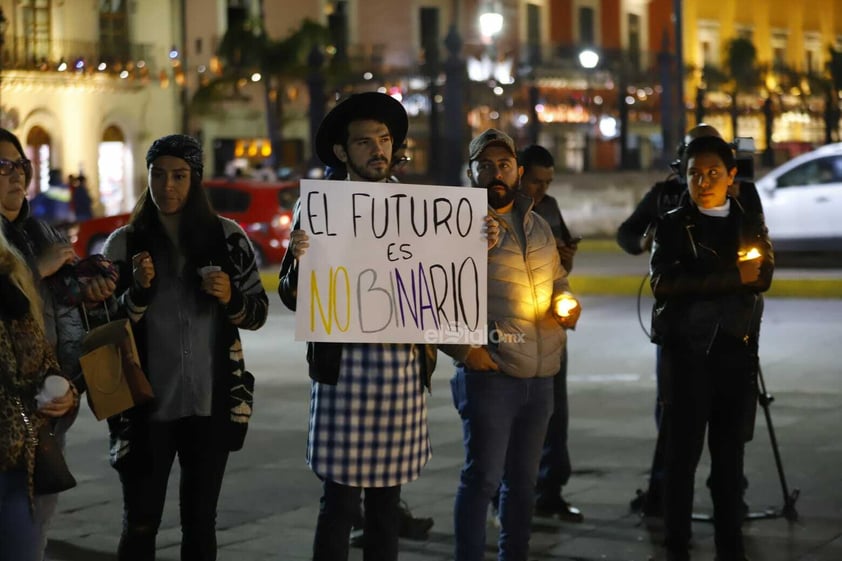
<point x="802" y="201"/>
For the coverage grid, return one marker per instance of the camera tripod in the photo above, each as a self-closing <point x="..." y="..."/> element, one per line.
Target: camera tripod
<point x="788" y="509"/>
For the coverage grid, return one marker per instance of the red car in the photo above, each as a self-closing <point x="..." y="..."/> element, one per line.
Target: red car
<point x="264" y="210"/>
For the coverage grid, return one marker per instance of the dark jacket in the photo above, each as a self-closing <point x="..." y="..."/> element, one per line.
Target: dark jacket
<point x="548" y="209"/>
<point x="695" y="279"/>
<point x="661" y="198"/>
<point x="233" y="386"/>
<point x="64" y="325"/>
<point x="324" y="358"/>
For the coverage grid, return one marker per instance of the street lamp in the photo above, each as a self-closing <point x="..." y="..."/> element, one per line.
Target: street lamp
<point x="489" y="69"/>
<point x="454" y="109"/>
<point x="589" y="59"/>
<point x="3" y="22"/>
<point x="490" y="26"/>
<point x="491" y="23"/>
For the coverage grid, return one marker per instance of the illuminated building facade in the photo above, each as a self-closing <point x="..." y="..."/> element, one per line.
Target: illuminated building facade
<point x="81" y="89"/>
<point x="88" y="89"/>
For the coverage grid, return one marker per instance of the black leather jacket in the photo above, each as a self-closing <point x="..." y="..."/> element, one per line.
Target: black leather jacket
<point x="695" y="279"/>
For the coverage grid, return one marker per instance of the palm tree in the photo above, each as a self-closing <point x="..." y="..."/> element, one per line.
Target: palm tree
<point x="240" y="51"/>
<point x="286" y="61"/>
<point x="741" y="67"/>
<point x="834" y="69"/>
<point x="712" y="79"/>
<point x="245" y="49"/>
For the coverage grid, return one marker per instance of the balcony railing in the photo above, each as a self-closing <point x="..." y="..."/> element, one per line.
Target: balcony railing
<point x="560" y="58"/>
<point x="23" y="54"/>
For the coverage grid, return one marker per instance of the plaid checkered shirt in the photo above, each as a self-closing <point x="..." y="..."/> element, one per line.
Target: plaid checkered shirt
<point x="370" y="429"/>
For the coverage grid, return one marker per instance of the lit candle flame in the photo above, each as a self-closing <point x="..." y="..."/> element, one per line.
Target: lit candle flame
<point x="564" y="305"/>
<point x="749" y="254"/>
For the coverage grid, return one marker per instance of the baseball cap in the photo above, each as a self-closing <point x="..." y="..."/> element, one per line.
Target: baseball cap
<point x="486" y="139"/>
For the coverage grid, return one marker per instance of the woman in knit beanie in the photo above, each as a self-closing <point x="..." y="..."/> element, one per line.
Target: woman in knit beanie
<point x="188" y="281"/>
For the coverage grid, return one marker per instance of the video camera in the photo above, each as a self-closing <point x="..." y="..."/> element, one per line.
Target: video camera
<point x="743" y="152"/>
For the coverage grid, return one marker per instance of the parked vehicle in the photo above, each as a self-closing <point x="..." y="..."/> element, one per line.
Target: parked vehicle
<point x="802" y="201"/>
<point x="264" y="210"/>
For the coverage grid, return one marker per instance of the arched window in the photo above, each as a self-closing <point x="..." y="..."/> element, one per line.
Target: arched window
<point x="112" y="168"/>
<point x="37" y="149"/>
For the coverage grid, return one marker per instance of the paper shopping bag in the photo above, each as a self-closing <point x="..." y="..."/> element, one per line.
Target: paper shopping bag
<point x="112" y="370"/>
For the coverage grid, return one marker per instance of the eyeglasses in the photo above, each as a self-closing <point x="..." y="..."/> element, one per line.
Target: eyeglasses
<point x="7" y="166"/>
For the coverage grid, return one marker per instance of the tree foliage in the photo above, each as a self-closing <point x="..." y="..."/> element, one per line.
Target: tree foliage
<point x="834" y="68"/>
<point x="741" y="64"/>
<point x="245" y="49"/>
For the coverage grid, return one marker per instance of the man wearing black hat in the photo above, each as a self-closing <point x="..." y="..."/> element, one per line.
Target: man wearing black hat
<point x="504" y="390"/>
<point x="368" y="415"/>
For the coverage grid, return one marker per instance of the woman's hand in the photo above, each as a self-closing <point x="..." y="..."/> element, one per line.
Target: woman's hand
<point x="298" y="243"/>
<point x="218" y="285"/>
<point x="98" y="289"/>
<point x="143" y="269"/>
<point x="54" y="258"/>
<point x="60" y="406"/>
<point x="749" y="270"/>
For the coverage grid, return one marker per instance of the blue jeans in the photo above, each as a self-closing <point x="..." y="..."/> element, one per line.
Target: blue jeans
<point x="504" y="420"/>
<point x="340" y="505"/>
<point x="18" y="540"/>
<point x="555" y="468"/>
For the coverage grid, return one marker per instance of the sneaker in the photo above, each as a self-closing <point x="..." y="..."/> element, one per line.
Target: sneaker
<point x="413" y="528"/>
<point x="357" y="537"/>
<point x="636" y="504"/>
<point x="559" y="509"/>
<point x="410" y="527"/>
<point x="744" y="509"/>
<point x="495" y="516"/>
<point x="652" y="506"/>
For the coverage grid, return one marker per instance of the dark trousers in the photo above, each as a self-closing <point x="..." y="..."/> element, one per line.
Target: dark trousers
<point x="202" y="458"/>
<point x="338" y="508"/>
<point x="656" y="473"/>
<point x="705" y="391"/>
<point x="555" y="468"/>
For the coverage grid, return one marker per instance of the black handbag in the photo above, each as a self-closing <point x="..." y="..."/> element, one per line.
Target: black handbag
<point x="51" y="473"/>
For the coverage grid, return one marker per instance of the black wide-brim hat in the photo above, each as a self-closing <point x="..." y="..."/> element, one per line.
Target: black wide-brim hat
<point x="373" y="106"/>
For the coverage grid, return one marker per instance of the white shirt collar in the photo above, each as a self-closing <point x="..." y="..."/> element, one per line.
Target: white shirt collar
<point x="718" y="211"/>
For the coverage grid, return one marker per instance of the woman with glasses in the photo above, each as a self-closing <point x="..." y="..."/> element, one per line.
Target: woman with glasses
<point x="711" y="261"/>
<point x="25" y="360"/>
<point x="63" y="282"/>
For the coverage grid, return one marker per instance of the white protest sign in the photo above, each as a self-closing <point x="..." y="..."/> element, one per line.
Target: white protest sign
<point x="392" y="263"/>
